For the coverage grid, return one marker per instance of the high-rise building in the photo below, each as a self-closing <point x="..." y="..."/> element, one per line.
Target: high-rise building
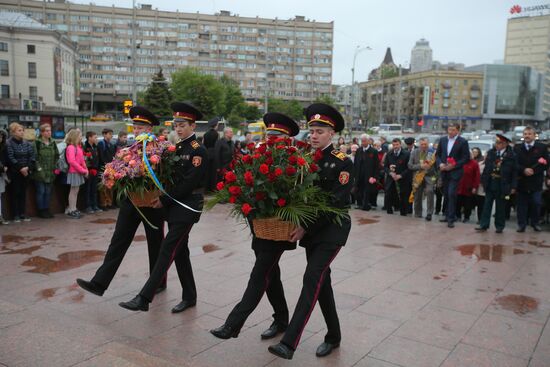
<point x="421" y="56"/>
<point x="528" y="43"/>
<point x="121" y="48"/>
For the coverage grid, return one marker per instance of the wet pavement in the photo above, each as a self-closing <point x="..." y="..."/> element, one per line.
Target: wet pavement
<point x="409" y="293"/>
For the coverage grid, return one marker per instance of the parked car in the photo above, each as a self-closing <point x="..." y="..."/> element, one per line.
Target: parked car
<point x="483" y="145"/>
<point x="101" y="117"/>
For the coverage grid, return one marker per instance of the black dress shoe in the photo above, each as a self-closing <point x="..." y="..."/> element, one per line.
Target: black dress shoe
<point x="325" y="349"/>
<point x="520" y="229"/>
<point x="481" y="229"/>
<point x="389" y="211"/>
<point x="273" y="331"/>
<point x="160" y="289"/>
<point x="429" y="217"/>
<point x="451" y="224"/>
<point x="225" y="332"/>
<point x="443" y="220"/>
<point x="499" y="230"/>
<point x="90" y="287"/>
<point x="281" y="350"/>
<point x="184" y="305"/>
<point x="537" y="228"/>
<point x="138" y="303"/>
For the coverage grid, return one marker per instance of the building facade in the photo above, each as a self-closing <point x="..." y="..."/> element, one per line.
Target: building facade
<point x="528" y="43"/>
<point x="421" y="56"/>
<point x="37" y="66"/>
<point x="512" y="95"/>
<point x="433" y="97"/>
<point x="121" y="48"/>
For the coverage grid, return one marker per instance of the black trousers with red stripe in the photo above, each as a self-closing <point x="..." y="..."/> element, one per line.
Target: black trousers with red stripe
<point x="264" y="278"/>
<point x="316" y="287"/>
<point x="174" y="248"/>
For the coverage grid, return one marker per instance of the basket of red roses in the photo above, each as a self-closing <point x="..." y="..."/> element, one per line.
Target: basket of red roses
<point x="272" y="186"/>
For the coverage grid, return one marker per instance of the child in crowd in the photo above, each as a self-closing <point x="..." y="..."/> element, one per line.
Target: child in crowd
<point x="122" y="140"/>
<point x="92" y="163"/>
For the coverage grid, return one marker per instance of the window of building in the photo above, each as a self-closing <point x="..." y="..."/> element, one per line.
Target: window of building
<point x="465" y="82"/>
<point x="5" y="91"/>
<point x="32" y="70"/>
<point x="31" y="49"/>
<point x="3" y="46"/>
<point x="33" y="93"/>
<point x="4" y="68"/>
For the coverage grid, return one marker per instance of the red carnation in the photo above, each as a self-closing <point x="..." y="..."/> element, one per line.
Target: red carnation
<point x="230" y="177"/>
<point x="250" y="146"/>
<point x="279" y="140"/>
<point x="278" y="171"/>
<point x="318" y="155"/>
<point x="246" y="208"/>
<point x="172" y="148"/>
<point x="451" y="161"/>
<point x="93" y="172"/>
<point x="301" y="144"/>
<point x="301" y="161"/>
<point x="313" y="167"/>
<point x="235" y="190"/>
<point x="280" y="147"/>
<point x="270" y="142"/>
<point x="247" y="159"/>
<point x="264" y="169"/>
<point x="260" y="196"/>
<point x="249" y="178"/>
<point x="269" y="161"/>
<point x="291" y="150"/>
<point x="232" y="199"/>
<point x="262" y="148"/>
<point x="281" y="202"/>
<point x="268" y="153"/>
<point x="220" y="186"/>
<point x="292" y="159"/>
<point x="271" y="177"/>
<point x="290" y="170"/>
<point x="256" y="156"/>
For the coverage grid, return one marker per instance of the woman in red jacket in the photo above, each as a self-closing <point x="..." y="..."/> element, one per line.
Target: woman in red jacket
<point x="467" y="188"/>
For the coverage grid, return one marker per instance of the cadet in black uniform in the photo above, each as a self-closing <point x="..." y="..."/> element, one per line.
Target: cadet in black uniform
<point x="499" y="180"/>
<point x="209" y="140"/>
<point x="127" y="223"/>
<point x="266" y="275"/>
<point x="187" y="189"/>
<point x="322" y="239"/>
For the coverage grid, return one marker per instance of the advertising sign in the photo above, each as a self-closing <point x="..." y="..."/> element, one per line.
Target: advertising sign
<point x="426" y="101"/>
<point x="58" y="75"/>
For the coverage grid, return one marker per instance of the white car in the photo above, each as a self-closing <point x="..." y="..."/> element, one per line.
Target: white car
<point x="483" y="145"/>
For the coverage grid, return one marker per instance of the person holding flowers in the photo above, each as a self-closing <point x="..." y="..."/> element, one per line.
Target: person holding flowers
<point x="92" y="162"/>
<point x="182" y="201"/>
<point x="451" y="155"/>
<point x="129" y="216"/>
<point x="266" y="275"/>
<point x="532" y="162"/>
<point x="499" y="180"/>
<point x="324" y="236"/>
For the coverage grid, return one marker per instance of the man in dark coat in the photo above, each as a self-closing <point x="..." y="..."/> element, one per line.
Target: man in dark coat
<point x="127" y="223"/>
<point x="266" y="274"/>
<point x="499" y="180"/>
<point x="323" y="238"/>
<point x="224" y="151"/>
<point x="398" y="179"/>
<point x="532" y="159"/>
<point x="182" y="203"/>
<point x="366" y="166"/>
<point x="451" y="155"/>
<point x="209" y="140"/>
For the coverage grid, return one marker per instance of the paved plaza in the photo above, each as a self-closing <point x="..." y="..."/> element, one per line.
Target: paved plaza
<point x="409" y="293"/>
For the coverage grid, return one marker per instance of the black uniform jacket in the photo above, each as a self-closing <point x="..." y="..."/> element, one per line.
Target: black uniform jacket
<point x="188" y="184"/>
<point x="507" y="170"/>
<point x="401" y="163"/>
<point x="336" y="177"/>
<point x="529" y="159"/>
<point x="366" y="165"/>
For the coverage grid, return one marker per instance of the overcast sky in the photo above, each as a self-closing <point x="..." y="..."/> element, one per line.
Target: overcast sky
<point x="467" y="31"/>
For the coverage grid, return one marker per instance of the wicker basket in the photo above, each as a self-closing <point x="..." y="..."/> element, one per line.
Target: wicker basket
<point x="145" y="199"/>
<point x="272" y="229"/>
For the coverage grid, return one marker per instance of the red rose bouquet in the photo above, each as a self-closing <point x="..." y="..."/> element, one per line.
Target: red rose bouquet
<point x="275" y="181"/>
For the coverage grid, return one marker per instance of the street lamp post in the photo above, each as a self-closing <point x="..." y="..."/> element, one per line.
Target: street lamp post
<point x="352" y="103"/>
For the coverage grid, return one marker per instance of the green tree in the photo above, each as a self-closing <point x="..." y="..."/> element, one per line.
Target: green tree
<point x="388" y="71"/>
<point x="290" y="108"/>
<point x="233" y="98"/>
<point x="327" y="99"/>
<point x="252" y="112"/>
<point x="157" y="97"/>
<point x="204" y="91"/>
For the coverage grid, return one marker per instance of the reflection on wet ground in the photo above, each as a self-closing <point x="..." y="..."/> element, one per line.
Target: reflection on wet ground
<point x="16" y="239"/>
<point x="75" y="293"/>
<point x="210" y="247"/>
<point x="140" y="237"/>
<point x="5" y="250"/>
<point x="66" y="261"/>
<point x="363" y="221"/>
<point x="104" y="221"/>
<point x="518" y="304"/>
<point x="492" y="252"/>
<point x="388" y="245"/>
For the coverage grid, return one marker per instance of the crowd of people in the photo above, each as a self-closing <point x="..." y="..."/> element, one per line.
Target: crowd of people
<point x="453" y="180"/>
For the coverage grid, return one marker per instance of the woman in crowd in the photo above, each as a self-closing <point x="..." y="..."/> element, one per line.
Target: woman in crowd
<point x="47" y="155"/>
<point x="21" y="160"/>
<point x="467" y="189"/>
<point x="341" y="141"/>
<point x="77" y="169"/>
<point x="3" y="170"/>
<point x="479" y="197"/>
